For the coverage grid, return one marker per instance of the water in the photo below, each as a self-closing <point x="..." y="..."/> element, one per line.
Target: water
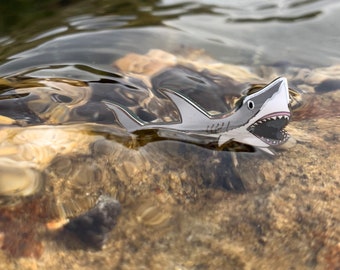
<point x="183" y="206"/>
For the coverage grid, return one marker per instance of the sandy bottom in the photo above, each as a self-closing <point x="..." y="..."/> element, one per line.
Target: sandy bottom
<point x="180" y="209"/>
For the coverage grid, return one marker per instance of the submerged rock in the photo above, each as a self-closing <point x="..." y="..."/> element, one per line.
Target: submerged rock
<point x="93" y="226"/>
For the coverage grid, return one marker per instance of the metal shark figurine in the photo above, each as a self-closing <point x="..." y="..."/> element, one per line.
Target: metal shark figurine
<point x="258" y="121"/>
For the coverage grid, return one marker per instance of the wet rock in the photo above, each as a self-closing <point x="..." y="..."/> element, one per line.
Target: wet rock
<point x="21" y="227"/>
<point x="93" y="226"/>
<point x="18" y="179"/>
<point x="328" y="85"/>
<point x="152" y="214"/>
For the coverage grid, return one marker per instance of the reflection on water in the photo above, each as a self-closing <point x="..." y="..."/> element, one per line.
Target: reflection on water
<point x="248" y="31"/>
<point x="55" y="117"/>
<point x="183" y="206"/>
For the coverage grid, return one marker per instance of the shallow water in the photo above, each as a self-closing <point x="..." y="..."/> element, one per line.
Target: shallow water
<point x="183" y="206"/>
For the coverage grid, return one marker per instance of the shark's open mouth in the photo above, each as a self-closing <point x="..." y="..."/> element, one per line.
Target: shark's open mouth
<point x="270" y="128"/>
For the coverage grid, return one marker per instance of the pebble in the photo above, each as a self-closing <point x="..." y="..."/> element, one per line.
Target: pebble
<point x="93" y="226"/>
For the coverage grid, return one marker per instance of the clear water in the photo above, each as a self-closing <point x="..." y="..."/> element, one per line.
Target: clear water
<point x="183" y="207"/>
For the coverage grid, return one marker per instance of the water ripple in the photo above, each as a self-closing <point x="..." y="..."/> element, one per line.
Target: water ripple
<point x="247" y="11"/>
<point x="276" y="18"/>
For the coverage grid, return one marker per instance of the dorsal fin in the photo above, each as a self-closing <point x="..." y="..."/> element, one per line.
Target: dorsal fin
<point x="190" y="112"/>
<point x="129" y="121"/>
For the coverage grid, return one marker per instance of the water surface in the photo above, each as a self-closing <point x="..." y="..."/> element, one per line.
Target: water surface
<point x="183" y="206"/>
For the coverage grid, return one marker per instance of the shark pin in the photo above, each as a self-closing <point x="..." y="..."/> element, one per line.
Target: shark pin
<point x="259" y="120"/>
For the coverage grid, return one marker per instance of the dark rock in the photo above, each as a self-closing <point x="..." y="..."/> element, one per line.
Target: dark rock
<point x="93" y="226"/>
<point x="328" y="86"/>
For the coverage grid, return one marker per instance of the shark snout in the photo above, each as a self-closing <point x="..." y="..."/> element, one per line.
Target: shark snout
<point x="278" y="102"/>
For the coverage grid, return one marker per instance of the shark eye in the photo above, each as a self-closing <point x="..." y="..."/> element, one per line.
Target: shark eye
<point x="250" y="104"/>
